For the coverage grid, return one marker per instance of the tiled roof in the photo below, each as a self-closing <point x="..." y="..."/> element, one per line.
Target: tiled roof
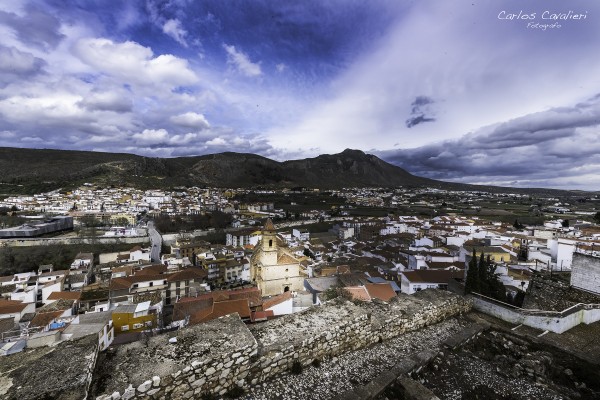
<point x="152" y="270"/>
<point x="64" y="295"/>
<point x="61" y="304"/>
<point x="273" y="301"/>
<point x="126" y="282"/>
<point x="222" y="308"/>
<point x="431" y="276"/>
<point x="253" y="294"/>
<point x="187" y="274"/>
<point x="44" y="318"/>
<point x="187" y="308"/>
<point x="381" y="291"/>
<point x="269" y="225"/>
<point x="358" y="293"/>
<point x="11" y="306"/>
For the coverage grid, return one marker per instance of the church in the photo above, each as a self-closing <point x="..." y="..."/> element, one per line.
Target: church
<point x="272" y="267"/>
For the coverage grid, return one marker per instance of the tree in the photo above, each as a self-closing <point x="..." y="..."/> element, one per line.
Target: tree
<point x="518" y="225"/>
<point x="597" y="217"/>
<point x="482" y="269"/>
<point x="472" y="282"/>
<point x="565" y="223"/>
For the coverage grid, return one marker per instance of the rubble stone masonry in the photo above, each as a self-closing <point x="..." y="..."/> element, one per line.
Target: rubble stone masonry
<point x="217" y="356"/>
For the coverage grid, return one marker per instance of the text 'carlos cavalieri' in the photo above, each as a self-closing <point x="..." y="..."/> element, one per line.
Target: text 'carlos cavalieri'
<point x="547" y="19"/>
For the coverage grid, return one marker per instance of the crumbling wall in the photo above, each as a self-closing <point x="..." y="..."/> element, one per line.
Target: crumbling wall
<point x="551" y="293"/>
<point x="61" y="372"/>
<point x="220" y="355"/>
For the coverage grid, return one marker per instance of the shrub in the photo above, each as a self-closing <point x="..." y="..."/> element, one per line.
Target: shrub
<point x="296" y="367"/>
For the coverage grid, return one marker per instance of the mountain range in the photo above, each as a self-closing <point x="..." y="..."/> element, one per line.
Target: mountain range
<point x="39" y="170"/>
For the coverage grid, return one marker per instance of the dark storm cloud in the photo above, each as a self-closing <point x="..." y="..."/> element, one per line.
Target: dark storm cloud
<point x="421" y="111"/>
<point x="37" y="27"/>
<point x="541" y="146"/>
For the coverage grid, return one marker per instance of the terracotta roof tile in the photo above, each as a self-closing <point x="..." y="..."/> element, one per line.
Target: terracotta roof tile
<point x="222" y="308"/>
<point x="273" y="301"/>
<point x="44" y="318"/>
<point x="11" y="306"/>
<point x="432" y="276"/>
<point x="381" y="291"/>
<point x="64" y="296"/>
<point x="358" y="293"/>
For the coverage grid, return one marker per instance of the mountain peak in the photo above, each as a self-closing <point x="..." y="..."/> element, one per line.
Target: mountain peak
<point x="353" y="152"/>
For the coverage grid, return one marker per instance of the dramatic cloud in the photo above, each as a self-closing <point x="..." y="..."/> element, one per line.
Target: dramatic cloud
<point x="420" y="112"/>
<point x="295" y="79"/>
<point x="547" y="148"/>
<point x="241" y="62"/>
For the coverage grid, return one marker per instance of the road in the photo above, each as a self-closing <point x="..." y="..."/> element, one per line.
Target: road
<point x="156" y="241"/>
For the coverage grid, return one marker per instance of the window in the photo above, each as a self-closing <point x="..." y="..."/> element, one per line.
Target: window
<point x="138" y="326"/>
<point x="124" y="328"/>
<point x="151" y="283"/>
<point x="135" y="285"/>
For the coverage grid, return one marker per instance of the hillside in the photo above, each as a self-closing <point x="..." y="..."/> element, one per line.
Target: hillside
<point x="35" y="171"/>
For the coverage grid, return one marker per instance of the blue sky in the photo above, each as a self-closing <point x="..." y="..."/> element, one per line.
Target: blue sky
<point x="449" y="90"/>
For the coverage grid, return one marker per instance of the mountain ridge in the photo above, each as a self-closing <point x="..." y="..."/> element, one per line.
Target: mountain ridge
<point x="38" y="170"/>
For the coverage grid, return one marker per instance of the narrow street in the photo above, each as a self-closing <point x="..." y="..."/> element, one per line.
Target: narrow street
<point x="156" y="242"/>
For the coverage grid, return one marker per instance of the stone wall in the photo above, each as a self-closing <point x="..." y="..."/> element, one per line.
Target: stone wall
<point x="74" y="241"/>
<point x="218" y="356"/>
<point x="553" y="321"/>
<point x="553" y="293"/>
<point x="62" y="372"/>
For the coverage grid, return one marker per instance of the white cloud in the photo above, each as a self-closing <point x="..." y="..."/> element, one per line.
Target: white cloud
<point x="151" y="136"/>
<point x="190" y="120"/>
<point x="134" y="63"/>
<point x="281" y="67"/>
<point x="242" y="62"/>
<point x="218" y="141"/>
<point x="174" y="29"/>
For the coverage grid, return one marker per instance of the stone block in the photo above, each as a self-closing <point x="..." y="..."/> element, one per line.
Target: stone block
<point x="144" y="387"/>
<point x="156" y="381"/>
<point x="129" y="393"/>
<point x="225" y="373"/>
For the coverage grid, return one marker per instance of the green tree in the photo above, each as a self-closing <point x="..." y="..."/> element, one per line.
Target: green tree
<point x="597" y="217"/>
<point x="482" y="274"/>
<point x="472" y="282"/>
<point x="518" y="225"/>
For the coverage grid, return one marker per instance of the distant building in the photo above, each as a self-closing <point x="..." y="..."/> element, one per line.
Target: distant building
<point x="38" y="228"/>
